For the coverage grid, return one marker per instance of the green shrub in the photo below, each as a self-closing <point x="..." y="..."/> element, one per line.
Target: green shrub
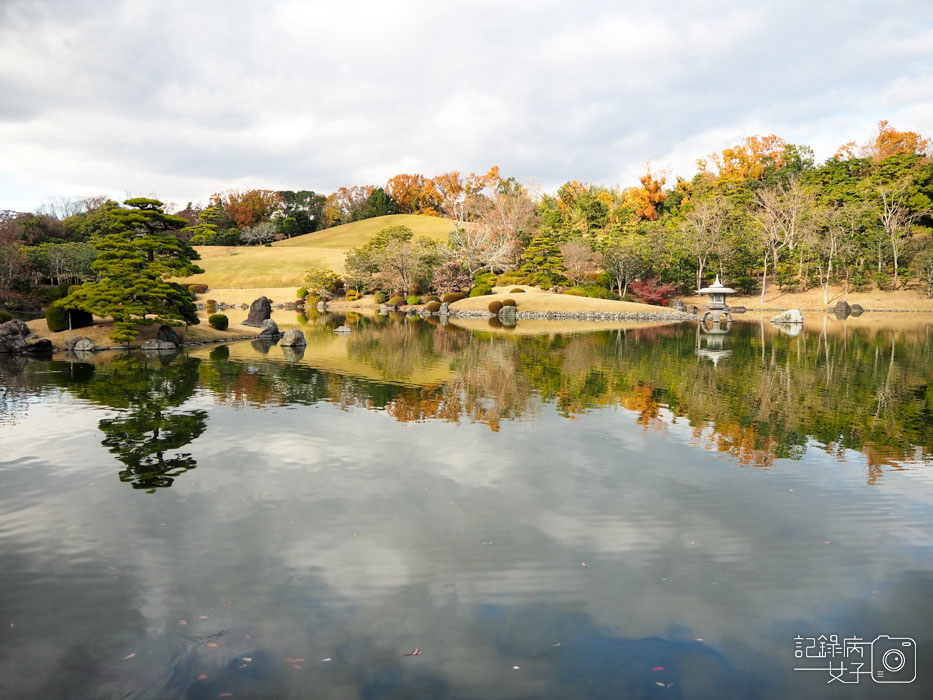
<point x="859" y="280"/>
<point x="494" y="306"/>
<point x="380" y="297"/>
<point x="480" y="290"/>
<point x="882" y="279"/>
<point x="56" y="316"/>
<point x="302" y="292"/>
<point x="517" y="290"/>
<point x="603" y="280"/>
<point x="219" y="321"/>
<point x="353" y="295"/>
<point x="575" y="291"/>
<point x="413" y="299"/>
<point x="451" y="297"/>
<point x="433" y="306"/>
<point x="5" y="316"/>
<point x="198" y="288"/>
<point x="487" y="278"/>
<point x="595" y="291"/>
<point x="509" y="302"/>
<point x="48" y="294"/>
<point x="395" y="301"/>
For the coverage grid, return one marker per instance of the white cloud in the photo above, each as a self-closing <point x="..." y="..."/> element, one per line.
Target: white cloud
<point x="186" y="100"/>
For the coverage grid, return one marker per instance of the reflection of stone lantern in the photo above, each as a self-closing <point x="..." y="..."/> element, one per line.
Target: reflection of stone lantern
<point x="716" y="309"/>
<point x="715" y="338"/>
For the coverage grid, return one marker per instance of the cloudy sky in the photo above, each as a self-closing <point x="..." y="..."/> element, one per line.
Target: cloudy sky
<point x="182" y="99"/>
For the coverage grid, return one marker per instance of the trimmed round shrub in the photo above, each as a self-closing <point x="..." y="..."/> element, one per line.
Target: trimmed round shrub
<point x="353" y="295"/>
<point x="575" y="291"/>
<point x="198" y="288"/>
<point x="509" y="302"/>
<point x="395" y="301"/>
<point x="517" y="290"/>
<point x="433" y="306"/>
<point x="219" y="321"/>
<point x="57" y="318"/>
<point x="413" y="299"/>
<point x="211" y="302"/>
<point x="480" y="290"/>
<point x="429" y="298"/>
<point x="451" y="297"/>
<point x="494" y="306"/>
<point x="302" y="292"/>
<point x="381" y="297"/>
<point x="5" y="316"/>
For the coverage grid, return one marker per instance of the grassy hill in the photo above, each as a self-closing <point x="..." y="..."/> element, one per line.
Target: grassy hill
<point x="285" y="263"/>
<point x="357" y="233"/>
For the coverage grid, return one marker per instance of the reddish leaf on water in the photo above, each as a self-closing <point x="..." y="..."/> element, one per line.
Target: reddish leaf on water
<point x="298" y="666"/>
<point x="202" y="617"/>
<point x="182" y="622"/>
<point x="129" y="656"/>
<point x="225" y="695"/>
<point x="212" y="645"/>
<point x="294" y="661"/>
<point x="202" y="677"/>
<point x="658" y="668"/>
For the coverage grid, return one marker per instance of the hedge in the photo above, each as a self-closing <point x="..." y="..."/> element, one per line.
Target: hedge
<point x="219" y="321"/>
<point x="56" y="316"/>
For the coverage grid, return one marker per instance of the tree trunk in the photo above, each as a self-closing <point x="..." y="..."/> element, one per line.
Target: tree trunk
<point x="764" y="279"/>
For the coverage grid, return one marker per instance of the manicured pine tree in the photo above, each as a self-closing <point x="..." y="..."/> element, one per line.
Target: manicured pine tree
<point x="137" y="253"/>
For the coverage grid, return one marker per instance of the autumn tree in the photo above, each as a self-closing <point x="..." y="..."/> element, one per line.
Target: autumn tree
<point x="579" y="260"/>
<point x="248" y="208"/>
<point x="646" y="199"/>
<point x="889" y="141"/>
<point x="749" y="159"/>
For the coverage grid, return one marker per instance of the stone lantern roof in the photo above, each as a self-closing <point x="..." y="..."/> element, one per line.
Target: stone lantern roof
<point x="716" y="288"/>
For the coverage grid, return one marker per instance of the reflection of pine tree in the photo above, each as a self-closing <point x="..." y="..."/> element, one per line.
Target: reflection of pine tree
<point x="146" y="430"/>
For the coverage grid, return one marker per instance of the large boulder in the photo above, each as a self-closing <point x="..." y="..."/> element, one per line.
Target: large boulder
<point x="13" y="336"/>
<point x="44" y="345"/>
<point x="259" y="311"/>
<point x="842" y="309"/>
<point x="156" y="345"/>
<point x="791" y="316"/>
<point x="167" y="334"/>
<point x="270" y="329"/>
<point x="856" y="310"/>
<point x="80" y="343"/>
<point x="293" y="338"/>
<point x="679" y="305"/>
<point x="508" y="315"/>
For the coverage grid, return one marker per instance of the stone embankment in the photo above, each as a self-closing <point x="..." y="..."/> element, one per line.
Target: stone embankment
<point x="583" y="315"/>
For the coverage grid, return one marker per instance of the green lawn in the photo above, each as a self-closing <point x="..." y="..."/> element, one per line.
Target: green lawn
<point x="285" y="263"/>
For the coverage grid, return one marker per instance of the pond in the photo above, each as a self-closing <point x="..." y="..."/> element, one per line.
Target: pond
<point x="416" y="510"/>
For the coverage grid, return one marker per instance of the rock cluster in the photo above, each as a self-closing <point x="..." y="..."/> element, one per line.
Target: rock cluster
<point x="14" y="338"/>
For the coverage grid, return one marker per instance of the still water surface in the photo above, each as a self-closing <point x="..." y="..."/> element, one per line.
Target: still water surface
<point x="623" y="513"/>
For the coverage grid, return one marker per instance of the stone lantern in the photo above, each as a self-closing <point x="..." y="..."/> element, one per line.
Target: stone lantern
<point x="716" y="309"/>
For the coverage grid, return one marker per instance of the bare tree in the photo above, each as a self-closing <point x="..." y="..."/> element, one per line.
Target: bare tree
<point x="62" y="207"/>
<point x="579" y="260"/>
<point x="703" y="229"/>
<point x="259" y="234"/>
<point x="783" y="215"/>
<point x="895" y="216"/>
<point x="623" y="263"/>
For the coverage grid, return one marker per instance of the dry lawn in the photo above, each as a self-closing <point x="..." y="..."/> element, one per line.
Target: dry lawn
<point x="100" y="331"/>
<point x="355" y="234"/>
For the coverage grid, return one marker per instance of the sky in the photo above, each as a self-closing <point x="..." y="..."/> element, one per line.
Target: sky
<point x="180" y="100"/>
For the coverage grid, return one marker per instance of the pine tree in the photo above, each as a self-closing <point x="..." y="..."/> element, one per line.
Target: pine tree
<point x="542" y="260"/>
<point x="137" y="253"/>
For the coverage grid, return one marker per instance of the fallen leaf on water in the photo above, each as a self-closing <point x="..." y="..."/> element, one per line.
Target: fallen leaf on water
<point x="202" y="617"/>
<point x="415" y="652"/>
<point x="658" y="668"/>
<point x="111" y="568"/>
<point x="582" y="563"/>
<point x="129" y="656"/>
<point x="212" y="645"/>
<point x="327" y="659"/>
<point x="515" y="668"/>
<point x="247" y="659"/>
<point x="294" y="661"/>
<point x="202" y="677"/>
<point x="182" y="622"/>
<point x="659" y="683"/>
<point x="556" y="645"/>
<point x="225" y="695"/>
<point x="298" y="666"/>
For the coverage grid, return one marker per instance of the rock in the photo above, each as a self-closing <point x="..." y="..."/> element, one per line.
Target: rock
<point x="680" y="306"/>
<point x="842" y="309"/>
<point x="791" y="316"/>
<point x="13" y="336"/>
<point x="293" y="338"/>
<point x="263" y="344"/>
<point x="508" y="312"/>
<point x="738" y="309"/>
<point x="342" y="329"/>
<point x="259" y="311"/>
<point x="293" y="353"/>
<point x="856" y="310"/>
<point x="86" y="345"/>
<point x="694" y="309"/>
<point x="156" y="345"/>
<point x="168" y="335"/>
<point x="270" y="329"/>
<point x="444" y="310"/>
<point x="40" y="346"/>
<point x="322" y="306"/>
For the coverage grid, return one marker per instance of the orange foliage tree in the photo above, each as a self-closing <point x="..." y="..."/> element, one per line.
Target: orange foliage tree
<point x="248" y="208"/>
<point x="890" y="141"/>
<point x="748" y="159"/>
<point x="645" y="199"/>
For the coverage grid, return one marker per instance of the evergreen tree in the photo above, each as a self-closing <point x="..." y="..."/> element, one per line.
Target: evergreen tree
<point x="137" y="252"/>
